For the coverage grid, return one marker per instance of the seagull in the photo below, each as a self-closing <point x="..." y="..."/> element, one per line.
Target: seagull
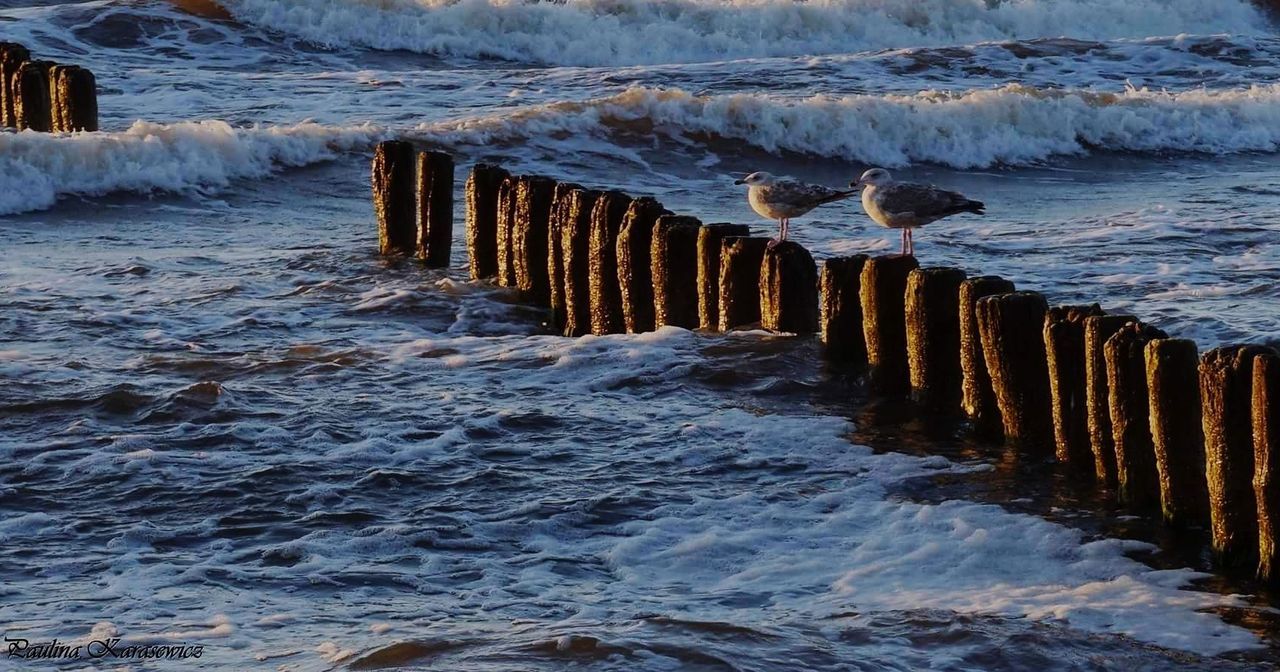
<point x="781" y="199"/>
<point x="907" y="205"/>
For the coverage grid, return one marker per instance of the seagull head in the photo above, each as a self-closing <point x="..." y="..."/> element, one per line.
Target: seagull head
<point x="756" y="179"/>
<point x="873" y="177"/>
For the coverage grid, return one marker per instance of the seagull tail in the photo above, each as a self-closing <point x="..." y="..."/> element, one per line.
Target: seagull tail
<point x="838" y="196"/>
<point x="976" y="207"/>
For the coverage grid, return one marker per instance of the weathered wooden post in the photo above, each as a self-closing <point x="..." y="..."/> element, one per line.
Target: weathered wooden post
<point x="978" y="398"/>
<point x="635" y="272"/>
<point x="506" y="230"/>
<point x="740" y="262"/>
<point x="530" y="238"/>
<point x="1064" y="347"/>
<point x="74" y="93"/>
<point x="1266" y="456"/>
<point x="12" y="55"/>
<point x="709" y="238"/>
<point x="575" y="243"/>
<point x="1226" y="388"/>
<point x="1011" y="328"/>
<point x="1097" y="329"/>
<point x="933" y="337"/>
<point x="884" y="321"/>
<point x="31" y="96"/>
<point x="1173" y="396"/>
<point x="674" y="256"/>
<point x="435" y="208"/>
<point x="789" y="289"/>
<point x="1125" y="357"/>
<point x="602" y="267"/>
<point x="840" y="311"/>
<point x="555" y="252"/>
<point x="482" y="219"/>
<point x="393" y="204"/>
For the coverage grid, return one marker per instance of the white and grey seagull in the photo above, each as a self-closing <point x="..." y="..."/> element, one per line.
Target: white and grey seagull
<point x="907" y="205"/>
<point x="781" y="199"/>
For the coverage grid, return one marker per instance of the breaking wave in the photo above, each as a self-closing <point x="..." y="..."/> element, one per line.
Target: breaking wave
<point x="1012" y="125"/>
<point x="37" y="168"/>
<point x="621" y="32"/>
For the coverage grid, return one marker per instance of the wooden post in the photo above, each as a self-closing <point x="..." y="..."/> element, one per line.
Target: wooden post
<point x="884" y="321"/>
<point x="1125" y="358"/>
<point x="31" y="96"/>
<point x="635" y="274"/>
<point x="393" y="197"/>
<point x="575" y="243"/>
<point x="602" y="264"/>
<point x="506" y="230"/>
<point x="740" y="262"/>
<point x="933" y="337"/>
<point x="1011" y="328"/>
<point x="789" y="289"/>
<point x="674" y="256"/>
<point x="1064" y="348"/>
<point x="1097" y="329"/>
<point x="1266" y="456"/>
<point x="840" y="311"/>
<point x="74" y="93"/>
<point x="1173" y="397"/>
<point x="709" y="238"/>
<point x="12" y="55"/>
<point x="978" y="399"/>
<point x="482" y="219"/>
<point x="1226" y="388"/>
<point x="530" y="238"/>
<point x="555" y="252"/>
<point x="435" y="208"/>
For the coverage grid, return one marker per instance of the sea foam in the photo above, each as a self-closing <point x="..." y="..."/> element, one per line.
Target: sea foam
<point x="37" y="168"/>
<point x="617" y="32"/>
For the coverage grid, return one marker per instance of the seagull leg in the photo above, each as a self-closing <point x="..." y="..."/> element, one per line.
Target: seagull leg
<point x="911" y="243"/>
<point x="904" y="241"/>
<point x="782" y="234"/>
<point x="786" y="228"/>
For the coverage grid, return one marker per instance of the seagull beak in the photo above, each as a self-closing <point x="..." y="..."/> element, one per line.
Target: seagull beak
<point x="739" y="182"/>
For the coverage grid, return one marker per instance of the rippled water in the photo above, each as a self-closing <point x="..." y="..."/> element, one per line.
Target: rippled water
<point x="224" y="420"/>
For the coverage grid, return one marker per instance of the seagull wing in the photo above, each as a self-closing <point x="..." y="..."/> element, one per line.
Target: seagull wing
<point x="802" y="195"/>
<point x="924" y="202"/>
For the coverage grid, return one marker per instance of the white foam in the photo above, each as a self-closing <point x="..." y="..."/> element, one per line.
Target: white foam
<point x="615" y="32"/>
<point x="1012" y="124"/>
<point x="202" y="156"/>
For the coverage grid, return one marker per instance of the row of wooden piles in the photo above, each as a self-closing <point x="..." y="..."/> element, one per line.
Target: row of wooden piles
<point x="1114" y="399"/>
<point x="45" y="96"/>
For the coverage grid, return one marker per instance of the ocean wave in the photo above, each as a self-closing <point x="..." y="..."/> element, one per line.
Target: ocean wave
<point x="1011" y="125"/>
<point x="37" y="168"/>
<point x="621" y="32"/>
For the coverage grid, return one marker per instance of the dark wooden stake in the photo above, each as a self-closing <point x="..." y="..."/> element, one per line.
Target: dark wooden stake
<point x="789" y="290"/>
<point x="530" y="238"/>
<point x="1226" y="388"/>
<point x="555" y="252"/>
<point x="1266" y="456"/>
<point x="740" y="262"/>
<point x="12" y="55"/>
<point x="393" y="203"/>
<point x="75" y="91"/>
<point x="840" y="311"/>
<point x="506" y="230"/>
<point x="602" y="268"/>
<point x="1097" y="329"/>
<point x="1011" y="327"/>
<point x="709" y="238"/>
<point x="1125" y="357"/>
<point x="933" y="337"/>
<point x="978" y="399"/>
<point x="435" y="208"/>
<point x="575" y="242"/>
<point x="482" y="219"/>
<point x="31" y="99"/>
<point x="674" y="257"/>
<point x="1064" y="348"/>
<point x="635" y="274"/>
<point x="883" y="294"/>
<point x="1173" y="398"/>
